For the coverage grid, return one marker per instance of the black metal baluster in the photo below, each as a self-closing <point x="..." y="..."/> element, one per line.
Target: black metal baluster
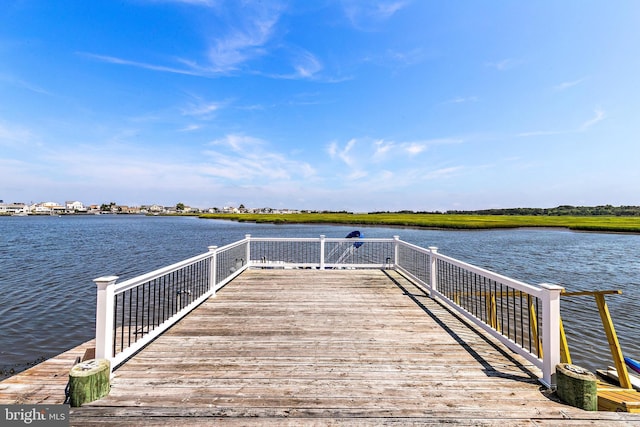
<point x="136" y="314"/>
<point x="130" y="291"/>
<point x="122" y="325"/>
<point x="115" y="325"/>
<point x="515" y="321"/>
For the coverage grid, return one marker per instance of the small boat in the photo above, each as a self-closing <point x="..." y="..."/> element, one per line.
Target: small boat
<point x="633" y="364"/>
<point x="611" y="375"/>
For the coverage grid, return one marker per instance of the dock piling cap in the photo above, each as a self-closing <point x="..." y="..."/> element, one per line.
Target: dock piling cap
<point x="89" y="367"/>
<point x="576" y="369"/>
<point x="576" y="372"/>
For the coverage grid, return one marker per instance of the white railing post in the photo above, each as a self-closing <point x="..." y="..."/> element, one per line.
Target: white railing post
<point x="104" y="316"/>
<point x="322" y="237"/>
<point x="550" y="331"/>
<point x="396" y="251"/>
<point x="433" y="270"/>
<point x="248" y="255"/>
<point x="212" y="269"/>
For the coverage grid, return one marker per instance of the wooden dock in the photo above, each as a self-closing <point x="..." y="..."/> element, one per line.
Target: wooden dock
<point x="310" y="347"/>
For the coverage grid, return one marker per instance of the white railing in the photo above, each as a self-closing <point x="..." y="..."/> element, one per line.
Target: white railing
<point x="523" y="317"/>
<point x="321" y="253"/>
<point x="132" y="313"/>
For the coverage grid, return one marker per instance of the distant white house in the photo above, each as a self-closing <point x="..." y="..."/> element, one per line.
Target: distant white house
<point x="74" y="207"/>
<point x="13" y="208"/>
<point x="46" y="208"/>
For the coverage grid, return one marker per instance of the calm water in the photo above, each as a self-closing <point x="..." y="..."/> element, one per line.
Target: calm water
<point x="47" y="297"/>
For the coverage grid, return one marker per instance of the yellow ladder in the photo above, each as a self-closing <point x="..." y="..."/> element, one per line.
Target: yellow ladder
<point x="607" y="323"/>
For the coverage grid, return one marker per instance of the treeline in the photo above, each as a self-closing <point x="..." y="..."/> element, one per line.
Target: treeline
<point x="564" y="210"/>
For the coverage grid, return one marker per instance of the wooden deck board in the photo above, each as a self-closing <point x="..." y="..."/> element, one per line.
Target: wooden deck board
<point x="309" y="347"/>
<point x="44" y="383"/>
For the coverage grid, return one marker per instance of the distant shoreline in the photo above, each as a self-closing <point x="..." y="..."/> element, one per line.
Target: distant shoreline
<point x="599" y="224"/>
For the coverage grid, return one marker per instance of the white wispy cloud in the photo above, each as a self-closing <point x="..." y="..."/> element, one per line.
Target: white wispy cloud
<point x="366" y="163"/>
<point x="382" y="148"/>
<point x="245" y="169"/>
<point x="233" y="161"/>
<point x="13" y="134"/>
<point x="566" y="85"/>
<point x="356" y="163"/>
<point x="366" y="15"/>
<point x="344" y="154"/>
<point x="332" y="149"/>
<point x="380" y="180"/>
<point x="24" y="84"/>
<point x="299" y="64"/>
<point x="190" y="128"/>
<point x="388" y="9"/>
<point x="248" y="159"/>
<point x="405" y="58"/>
<point x="228" y="53"/>
<point x="191" y="71"/>
<point x="242" y="35"/>
<point x="414" y="148"/>
<point x="598" y="116"/>
<point x="357" y="175"/>
<point x="201" y="108"/>
<point x="362" y="151"/>
<point x="542" y="133"/>
<point x="238" y="142"/>
<point x="307" y="65"/>
<point x="254" y="27"/>
<point x="443" y="172"/>
<point x="461" y="100"/>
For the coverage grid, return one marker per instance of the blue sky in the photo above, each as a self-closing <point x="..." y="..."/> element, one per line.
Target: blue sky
<point x="358" y="105"/>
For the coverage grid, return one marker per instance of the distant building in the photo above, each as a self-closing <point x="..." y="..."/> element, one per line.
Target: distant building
<point x="46" y="208"/>
<point x="128" y="209"/>
<point x="74" y="207"/>
<point x="13" y="208"/>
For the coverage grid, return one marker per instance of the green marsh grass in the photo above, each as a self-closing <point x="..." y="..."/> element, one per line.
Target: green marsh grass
<point x="445" y="221"/>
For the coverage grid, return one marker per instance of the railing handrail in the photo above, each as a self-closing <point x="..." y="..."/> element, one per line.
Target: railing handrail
<point x="414" y="247"/>
<point x="232" y="245"/>
<point x="326" y="239"/>
<point x="521" y="286"/>
<point x="135" y="281"/>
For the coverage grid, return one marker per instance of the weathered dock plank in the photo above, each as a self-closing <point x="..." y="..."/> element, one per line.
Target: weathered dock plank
<point x="44" y="383"/>
<point x="292" y="347"/>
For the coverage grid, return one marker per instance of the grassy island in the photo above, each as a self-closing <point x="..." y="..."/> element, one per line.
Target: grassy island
<point x="446" y="221"/>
